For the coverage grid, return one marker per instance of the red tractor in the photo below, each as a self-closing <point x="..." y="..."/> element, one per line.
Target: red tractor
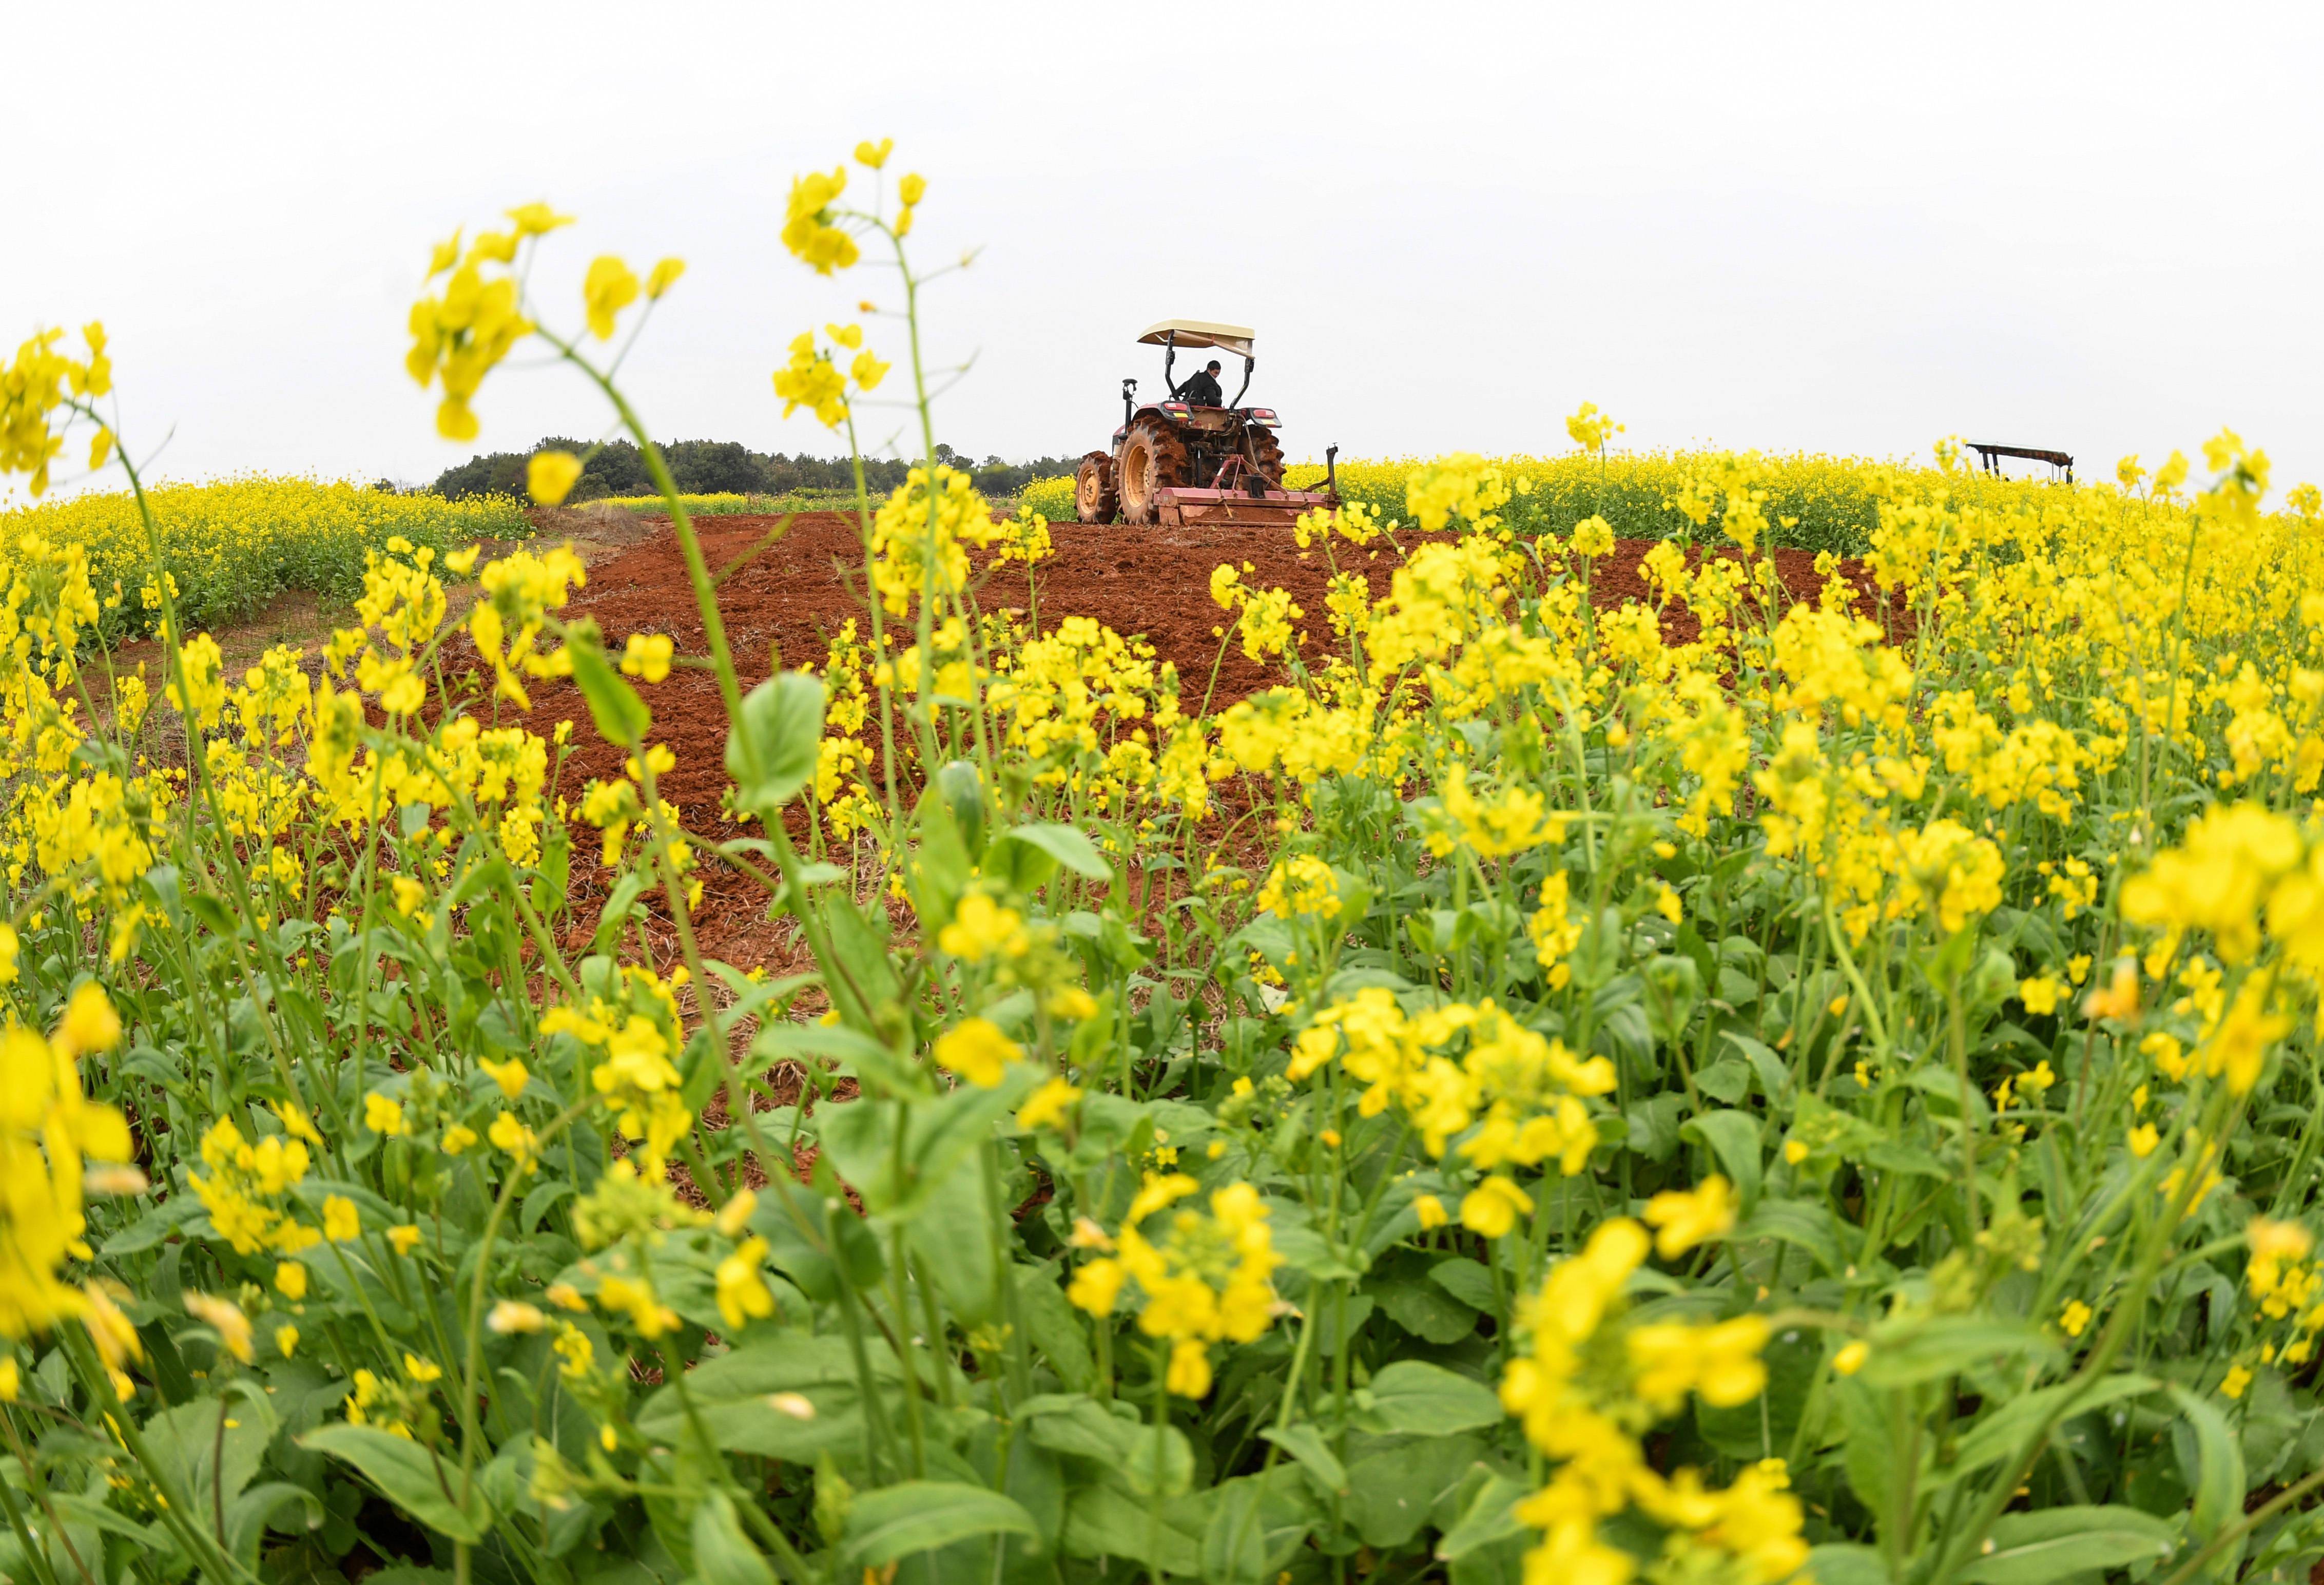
<point x="1192" y="462"/>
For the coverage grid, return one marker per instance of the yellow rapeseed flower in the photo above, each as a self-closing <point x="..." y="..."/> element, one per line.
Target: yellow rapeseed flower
<point x="1684" y="1218"/>
<point x="510" y="1076"/>
<point x="610" y="287"/>
<point x="383" y="1114"/>
<point x="225" y="1318"/>
<point x="662" y="277"/>
<point x="1491" y="1209"/>
<point x="548" y="478"/>
<point x="976" y="1050"/>
<point x="647" y="657"/>
<point x="1048" y="1105"/>
<point x="982" y="928"/>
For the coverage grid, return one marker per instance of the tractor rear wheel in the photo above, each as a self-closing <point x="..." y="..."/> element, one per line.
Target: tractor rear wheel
<point x="1266" y="453"/>
<point x="1153" y="459"/>
<point x="1096" y="497"/>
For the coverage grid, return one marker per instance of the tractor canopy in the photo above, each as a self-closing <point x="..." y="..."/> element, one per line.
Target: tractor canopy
<point x="1194" y="332"/>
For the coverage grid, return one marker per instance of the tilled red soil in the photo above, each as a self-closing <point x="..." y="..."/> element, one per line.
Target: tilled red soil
<point x="1151" y="581"/>
<point x="781" y="600"/>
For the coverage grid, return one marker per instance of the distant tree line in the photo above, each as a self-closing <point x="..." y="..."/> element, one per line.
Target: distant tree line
<point x="713" y="467"/>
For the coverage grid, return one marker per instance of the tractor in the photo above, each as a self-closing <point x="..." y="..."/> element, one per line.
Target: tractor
<point x="1186" y="463"/>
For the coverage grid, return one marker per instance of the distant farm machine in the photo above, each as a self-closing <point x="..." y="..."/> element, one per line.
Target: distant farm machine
<point x="1990" y="454"/>
<point x="1187" y="462"/>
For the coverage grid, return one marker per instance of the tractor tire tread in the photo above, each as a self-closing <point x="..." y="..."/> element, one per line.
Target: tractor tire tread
<point x="1097" y="495"/>
<point x="1153" y="458"/>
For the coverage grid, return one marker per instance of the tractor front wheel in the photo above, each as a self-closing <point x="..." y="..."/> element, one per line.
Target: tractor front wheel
<point x="1153" y="459"/>
<point x="1096" y="497"/>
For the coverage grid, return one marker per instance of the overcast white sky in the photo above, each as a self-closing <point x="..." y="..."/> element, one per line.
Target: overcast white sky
<point x="1852" y="227"/>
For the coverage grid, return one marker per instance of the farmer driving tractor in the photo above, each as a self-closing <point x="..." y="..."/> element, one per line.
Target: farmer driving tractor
<point x="1201" y="387"/>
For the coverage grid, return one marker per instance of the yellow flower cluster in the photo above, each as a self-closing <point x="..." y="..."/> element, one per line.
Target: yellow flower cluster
<point x="634" y="1037"/>
<point x="246" y="1182"/>
<point x="459" y="335"/>
<point x="518" y="593"/>
<point x="807" y="230"/>
<point x="1081" y="690"/>
<point x="47" y="1130"/>
<point x="812" y="379"/>
<point x="1207" y="1279"/>
<point x="918" y="538"/>
<point x="1263" y="617"/>
<point x="1512" y="1098"/>
<point x="2285" y="1286"/>
<point x="1589" y="1386"/>
<point x="33" y="386"/>
<point x="1298" y="888"/>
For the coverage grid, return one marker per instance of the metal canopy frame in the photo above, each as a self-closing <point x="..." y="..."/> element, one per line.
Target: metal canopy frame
<point x="1171" y="334"/>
